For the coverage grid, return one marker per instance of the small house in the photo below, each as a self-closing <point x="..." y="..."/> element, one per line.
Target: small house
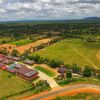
<point x="29" y="62"/>
<point x="26" y="73"/>
<point x="16" y="58"/>
<point x="62" y="71"/>
<point x="7" y="61"/>
<point x="11" y="70"/>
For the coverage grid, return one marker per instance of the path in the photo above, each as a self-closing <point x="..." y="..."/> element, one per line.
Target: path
<point x="44" y="76"/>
<point x="68" y="90"/>
<point x="79" y="53"/>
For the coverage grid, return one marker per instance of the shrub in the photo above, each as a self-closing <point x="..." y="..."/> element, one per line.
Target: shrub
<point x="55" y="64"/>
<point x="87" y="71"/>
<point x="68" y="74"/>
<point x="76" y="69"/>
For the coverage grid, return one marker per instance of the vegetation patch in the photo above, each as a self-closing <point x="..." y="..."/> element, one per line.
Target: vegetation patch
<point x="21" y="42"/>
<point x="46" y="71"/>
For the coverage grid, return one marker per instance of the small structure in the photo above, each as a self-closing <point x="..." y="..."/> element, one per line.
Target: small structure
<point x="9" y="57"/>
<point x="1" y="64"/>
<point x="19" y="66"/>
<point x="2" y="57"/>
<point x="11" y="70"/>
<point x="4" y="67"/>
<point x="7" y="61"/>
<point x="16" y="58"/>
<point x="26" y="73"/>
<point x="30" y="62"/>
<point x="62" y="71"/>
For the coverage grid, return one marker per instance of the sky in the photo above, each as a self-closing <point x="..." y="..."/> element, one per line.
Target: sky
<point x="11" y="10"/>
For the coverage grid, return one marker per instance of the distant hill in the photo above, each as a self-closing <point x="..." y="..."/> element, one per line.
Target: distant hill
<point x="92" y="18"/>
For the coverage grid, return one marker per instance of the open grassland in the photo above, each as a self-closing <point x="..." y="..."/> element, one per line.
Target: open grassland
<point x="73" y="51"/>
<point x="22" y="42"/>
<point x="81" y="96"/>
<point x="10" y="84"/>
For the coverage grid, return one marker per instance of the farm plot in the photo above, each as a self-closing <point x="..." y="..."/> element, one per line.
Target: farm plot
<point x="73" y="51"/>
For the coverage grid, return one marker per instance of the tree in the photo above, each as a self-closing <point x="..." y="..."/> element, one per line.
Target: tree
<point x="36" y="58"/>
<point x="14" y="53"/>
<point x="76" y="69"/>
<point x="55" y="64"/>
<point x="87" y="71"/>
<point x="40" y="60"/>
<point x="68" y="74"/>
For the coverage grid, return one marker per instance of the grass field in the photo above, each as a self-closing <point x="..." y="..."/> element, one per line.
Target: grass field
<point x="73" y="51"/>
<point x="81" y="96"/>
<point x="10" y="84"/>
<point x="46" y="71"/>
<point x="21" y="42"/>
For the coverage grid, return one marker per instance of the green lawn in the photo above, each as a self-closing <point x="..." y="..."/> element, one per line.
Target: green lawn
<point x="21" y="42"/>
<point x="73" y="51"/>
<point x="10" y="84"/>
<point x="46" y="71"/>
<point x="81" y="96"/>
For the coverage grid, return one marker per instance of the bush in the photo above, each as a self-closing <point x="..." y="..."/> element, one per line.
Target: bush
<point x="40" y="60"/>
<point x="76" y="69"/>
<point x="36" y="58"/>
<point x="68" y="74"/>
<point x="87" y="71"/>
<point x="54" y="64"/>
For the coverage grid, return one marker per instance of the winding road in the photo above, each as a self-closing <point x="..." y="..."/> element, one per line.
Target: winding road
<point x="68" y="90"/>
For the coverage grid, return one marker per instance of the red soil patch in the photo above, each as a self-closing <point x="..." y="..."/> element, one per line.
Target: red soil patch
<point x="9" y="47"/>
<point x="21" y="49"/>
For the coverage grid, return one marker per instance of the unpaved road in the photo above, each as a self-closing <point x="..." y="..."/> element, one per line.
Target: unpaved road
<point x="68" y="90"/>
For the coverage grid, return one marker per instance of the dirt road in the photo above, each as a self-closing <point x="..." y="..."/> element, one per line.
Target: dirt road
<point x="68" y="90"/>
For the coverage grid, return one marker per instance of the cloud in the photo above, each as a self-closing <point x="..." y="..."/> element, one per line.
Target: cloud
<point x="48" y="9"/>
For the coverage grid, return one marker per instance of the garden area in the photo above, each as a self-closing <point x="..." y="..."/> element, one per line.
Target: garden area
<point x="46" y="71"/>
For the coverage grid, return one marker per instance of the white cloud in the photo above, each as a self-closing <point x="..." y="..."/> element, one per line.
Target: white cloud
<point x="48" y="9"/>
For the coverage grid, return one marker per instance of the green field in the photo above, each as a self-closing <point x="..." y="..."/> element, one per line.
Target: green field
<point x="10" y="84"/>
<point x="81" y="96"/>
<point x="73" y="51"/>
<point x="46" y="71"/>
<point x="21" y="42"/>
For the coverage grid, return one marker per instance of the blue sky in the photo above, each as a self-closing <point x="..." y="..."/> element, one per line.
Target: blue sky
<point x="48" y="9"/>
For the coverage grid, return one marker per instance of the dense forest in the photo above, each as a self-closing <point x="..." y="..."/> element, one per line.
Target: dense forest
<point x="20" y="29"/>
